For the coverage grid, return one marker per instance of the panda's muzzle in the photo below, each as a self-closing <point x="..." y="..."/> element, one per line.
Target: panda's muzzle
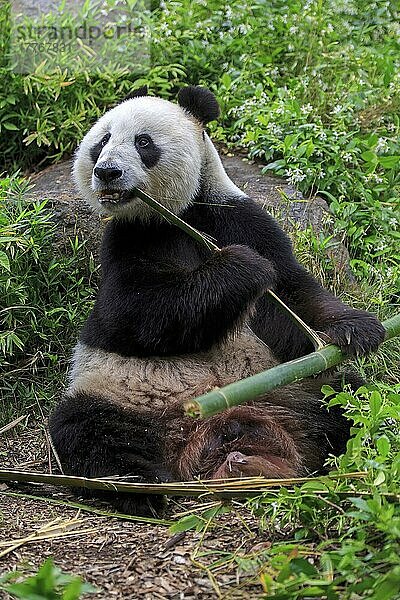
<point x="108" y="176"/>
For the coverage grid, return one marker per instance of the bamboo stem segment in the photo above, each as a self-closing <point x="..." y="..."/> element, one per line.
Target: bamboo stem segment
<point x="253" y="387"/>
<point x="224" y="488"/>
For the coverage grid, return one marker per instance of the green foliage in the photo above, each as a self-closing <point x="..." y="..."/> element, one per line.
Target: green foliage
<point x="45" y="294"/>
<point x="64" y="90"/>
<point x="350" y="529"/>
<point x="49" y="583"/>
<point x="201" y="521"/>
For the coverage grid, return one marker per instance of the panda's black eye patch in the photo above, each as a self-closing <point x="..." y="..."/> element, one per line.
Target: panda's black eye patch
<point x="147" y="149"/>
<point x="95" y="151"/>
<point x="105" y="139"/>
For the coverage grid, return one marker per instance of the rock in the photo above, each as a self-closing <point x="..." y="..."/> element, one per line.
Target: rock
<point x="71" y="212"/>
<point x="278" y="197"/>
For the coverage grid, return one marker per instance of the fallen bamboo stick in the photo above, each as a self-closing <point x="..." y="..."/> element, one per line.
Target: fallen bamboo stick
<point x="225" y="488"/>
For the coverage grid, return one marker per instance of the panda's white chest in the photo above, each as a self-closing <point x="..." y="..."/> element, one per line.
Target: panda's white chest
<point x="156" y="382"/>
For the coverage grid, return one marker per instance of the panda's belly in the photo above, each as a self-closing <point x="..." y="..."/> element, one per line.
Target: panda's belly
<point x="156" y="382"/>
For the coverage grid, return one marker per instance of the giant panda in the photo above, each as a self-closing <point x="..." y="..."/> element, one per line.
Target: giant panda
<point x="173" y="320"/>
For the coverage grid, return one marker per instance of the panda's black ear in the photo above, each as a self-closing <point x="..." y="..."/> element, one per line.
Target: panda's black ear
<point x="142" y="91"/>
<point x="200" y="102"/>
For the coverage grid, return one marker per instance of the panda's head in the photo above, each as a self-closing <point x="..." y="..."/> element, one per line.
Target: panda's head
<point x="150" y="144"/>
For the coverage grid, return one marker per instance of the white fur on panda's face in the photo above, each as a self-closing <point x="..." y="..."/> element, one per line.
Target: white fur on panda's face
<point x="146" y="143"/>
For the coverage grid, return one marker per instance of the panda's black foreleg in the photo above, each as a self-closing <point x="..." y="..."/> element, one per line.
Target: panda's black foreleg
<point x="96" y="438"/>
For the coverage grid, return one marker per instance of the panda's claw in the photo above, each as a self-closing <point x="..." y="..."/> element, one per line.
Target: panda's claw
<point x="357" y="332"/>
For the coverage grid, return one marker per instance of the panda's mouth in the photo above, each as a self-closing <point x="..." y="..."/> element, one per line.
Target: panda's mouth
<point x="116" y="196"/>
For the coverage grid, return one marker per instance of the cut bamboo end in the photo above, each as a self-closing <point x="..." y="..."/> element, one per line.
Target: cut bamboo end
<point x="192" y="409"/>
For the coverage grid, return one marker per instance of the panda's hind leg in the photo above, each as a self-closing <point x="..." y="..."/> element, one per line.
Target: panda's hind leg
<point x="241" y="441"/>
<point x="94" y="437"/>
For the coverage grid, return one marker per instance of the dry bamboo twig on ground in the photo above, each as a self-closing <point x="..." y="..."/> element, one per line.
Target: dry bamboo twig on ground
<point x="222" y="488"/>
<point x="12" y="424"/>
<point x="55" y="529"/>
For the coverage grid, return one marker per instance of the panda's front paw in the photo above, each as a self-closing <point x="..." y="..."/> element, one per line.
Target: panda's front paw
<point x="356" y="332"/>
<point x="249" y="268"/>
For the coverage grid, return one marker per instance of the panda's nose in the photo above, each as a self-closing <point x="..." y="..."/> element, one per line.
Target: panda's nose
<point x="107" y="172"/>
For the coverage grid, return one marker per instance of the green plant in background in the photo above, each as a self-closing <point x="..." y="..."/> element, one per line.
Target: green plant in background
<point x="49" y="583"/>
<point x="45" y="292"/>
<point x="49" y="106"/>
<point x="355" y="530"/>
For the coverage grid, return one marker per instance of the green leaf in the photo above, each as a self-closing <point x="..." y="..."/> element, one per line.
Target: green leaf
<point x="73" y="590"/>
<point x="301" y="565"/>
<point x="273" y="166"/>
<point x="375" y="403"/>
<point x="185" y="524"/>
<point x="369" y="156"/>
<point x="389" y="587"/>
<point x="380" y="478"/>
<point x="226" y="80"/>
<point x="328" y="390"/>
<point x="10" y="126"/>
<point x="383" y="445"/>
<point x="314" y="486"/>
<point x="22" y="591"/>
<point x="327" y="566"/>
<point x="4" y="261"/>
<point x="310" y="148"/>
<point x="361" y="504"/>
<point x="388" y="162"/>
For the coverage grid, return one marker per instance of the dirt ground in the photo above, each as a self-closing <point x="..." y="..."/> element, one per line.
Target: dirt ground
<point x="123" y="559"/>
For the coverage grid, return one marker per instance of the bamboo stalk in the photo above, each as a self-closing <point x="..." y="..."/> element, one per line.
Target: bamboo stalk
<point x="306" y="329"/>
<point x="225" y="488"/>
<point x="253" y="387"/>
<point x="89" y="509"/>
<point x="12" y="424"/>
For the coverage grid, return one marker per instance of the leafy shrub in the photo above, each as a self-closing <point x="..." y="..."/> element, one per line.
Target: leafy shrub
<point x="44" y="293"/>
<point x="49" y="108"/>
<point x="49" y="583"/>
<point x="351" y="527"/>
